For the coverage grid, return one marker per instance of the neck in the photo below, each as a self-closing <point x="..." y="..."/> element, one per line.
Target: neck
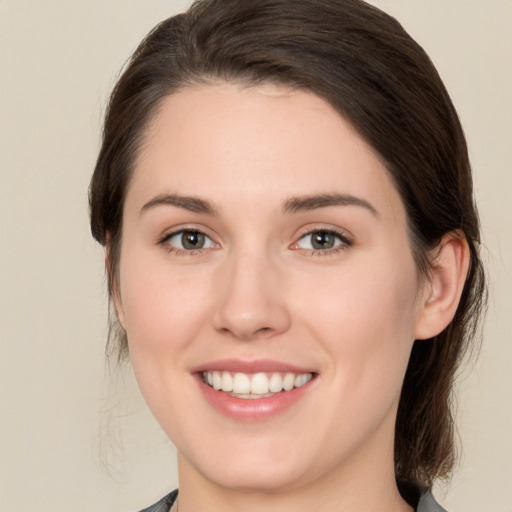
<point x="355" y="486"/>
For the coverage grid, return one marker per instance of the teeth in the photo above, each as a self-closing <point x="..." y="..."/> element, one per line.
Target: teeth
<point x="227" y="382"/>
<point x="217" y="380"/>
<point x="288" y="381"/>
<point x="259" y="384"/>
<point x="300" y="380"/>
<point x="275" y="384"/>
<point x="241" y="383"/>
<point x="254" y="385"/>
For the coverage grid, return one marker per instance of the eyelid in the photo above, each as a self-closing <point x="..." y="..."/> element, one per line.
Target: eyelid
<point x="346" y="238"/>
<point x="163" y="240"/>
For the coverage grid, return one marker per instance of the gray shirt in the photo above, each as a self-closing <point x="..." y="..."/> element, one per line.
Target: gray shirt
<point x="426" y="503"/>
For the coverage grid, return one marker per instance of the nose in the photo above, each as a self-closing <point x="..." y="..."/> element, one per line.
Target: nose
<point x="251" y="299"/>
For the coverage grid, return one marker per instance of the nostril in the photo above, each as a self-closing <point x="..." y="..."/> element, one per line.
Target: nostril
<point x="263" y="330"/>
<point x="248" y="334"/>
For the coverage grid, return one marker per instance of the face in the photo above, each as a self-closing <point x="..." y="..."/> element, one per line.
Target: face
<point x="267" y="287"/>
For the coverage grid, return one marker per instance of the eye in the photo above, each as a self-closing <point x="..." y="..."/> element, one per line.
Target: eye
<point x="189" y="240"/>
<point x="322" y="240"/>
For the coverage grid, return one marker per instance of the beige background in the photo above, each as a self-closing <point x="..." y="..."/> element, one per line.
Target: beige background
<point x="61" y="415"/>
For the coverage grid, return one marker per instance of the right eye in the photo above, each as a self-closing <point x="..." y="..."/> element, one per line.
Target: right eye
<point x="189" y="240"/>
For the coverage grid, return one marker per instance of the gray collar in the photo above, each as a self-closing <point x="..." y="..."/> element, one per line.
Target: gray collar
<point x="427" y="503"/>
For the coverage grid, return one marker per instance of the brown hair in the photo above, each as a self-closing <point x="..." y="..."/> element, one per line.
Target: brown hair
<point x="376" y="76"/>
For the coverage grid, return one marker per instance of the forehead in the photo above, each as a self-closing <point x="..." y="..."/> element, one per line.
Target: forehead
<point x="260" y="144"/>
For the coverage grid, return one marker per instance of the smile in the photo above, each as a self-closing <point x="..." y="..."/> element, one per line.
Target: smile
<point x="256" y="385"/>
<point x="254" y="391"/>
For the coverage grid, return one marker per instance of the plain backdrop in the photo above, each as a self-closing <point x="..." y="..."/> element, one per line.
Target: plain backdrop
<point x="74" y="437"/>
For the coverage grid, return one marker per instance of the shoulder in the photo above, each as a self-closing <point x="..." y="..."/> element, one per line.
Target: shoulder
<point x="427" y="503"/>
<point x="419" y="496"/>
<point x="164" y="504"/>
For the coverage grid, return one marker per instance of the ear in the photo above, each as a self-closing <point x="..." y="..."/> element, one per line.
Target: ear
<point x="441" y="295"/>
<point x="119" y="309"/>
<point x="113" y="284"/>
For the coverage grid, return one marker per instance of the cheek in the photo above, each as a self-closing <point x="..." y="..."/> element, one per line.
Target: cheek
<point x="164" y="311"/>
<point x="163" y="308"/>
<point x="365" y="317"/>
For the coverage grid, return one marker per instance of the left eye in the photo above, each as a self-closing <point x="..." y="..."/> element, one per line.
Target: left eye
<point x="321" y="240"/>
<point x="189" y="240"/>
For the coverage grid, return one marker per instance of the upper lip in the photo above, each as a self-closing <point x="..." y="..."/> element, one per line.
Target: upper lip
<point x="253" y="366"/>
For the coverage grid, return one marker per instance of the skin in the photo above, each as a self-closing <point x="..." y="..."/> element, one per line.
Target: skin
<point x="258" y="290"/>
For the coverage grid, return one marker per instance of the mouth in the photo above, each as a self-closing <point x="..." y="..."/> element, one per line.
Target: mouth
<point x="254" y="391"/>
<point x="254" y="385"/>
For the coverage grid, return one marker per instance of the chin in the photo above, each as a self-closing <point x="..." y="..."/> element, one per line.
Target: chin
<point x="265" y="480"/>
<point x="265" y="468"/>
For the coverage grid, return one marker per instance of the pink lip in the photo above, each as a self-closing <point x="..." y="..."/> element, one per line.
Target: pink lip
<point x="238" y="365"/>
<point x="253" y="409"/>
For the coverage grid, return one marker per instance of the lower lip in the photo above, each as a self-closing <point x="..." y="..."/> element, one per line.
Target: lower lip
<point x="252" y="409"/>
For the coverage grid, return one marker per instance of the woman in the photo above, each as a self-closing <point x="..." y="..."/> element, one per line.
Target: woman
<point x="285" y="199"/>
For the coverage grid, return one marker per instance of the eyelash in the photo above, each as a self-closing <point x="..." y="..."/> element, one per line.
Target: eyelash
<point x="346" y="242"/>
<point x="343" y="237"/>
<point x="164" y="241"/>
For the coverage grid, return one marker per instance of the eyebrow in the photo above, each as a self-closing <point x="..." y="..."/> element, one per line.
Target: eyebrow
<point x="313" y="202"/>
<point x="192" y="204"/>
<point x="292" y="205"/>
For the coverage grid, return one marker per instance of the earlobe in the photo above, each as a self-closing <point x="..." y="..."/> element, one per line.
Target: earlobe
<point x="113" y="285"/>
<point x="119" y="309"/>
<point x="449" y="268"/>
